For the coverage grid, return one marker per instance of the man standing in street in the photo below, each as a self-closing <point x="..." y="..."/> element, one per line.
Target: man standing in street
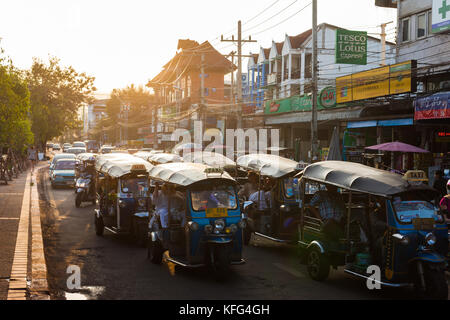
<point x="32" y="157"/>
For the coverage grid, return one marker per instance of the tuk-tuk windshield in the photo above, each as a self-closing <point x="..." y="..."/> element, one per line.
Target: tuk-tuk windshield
<point x="408" y="210"/>
<point x="136" y="185"/>
<point x="220" y="196"/>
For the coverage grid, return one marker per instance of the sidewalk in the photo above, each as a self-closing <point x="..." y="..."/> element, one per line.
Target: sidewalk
<point x="22" y="262"/>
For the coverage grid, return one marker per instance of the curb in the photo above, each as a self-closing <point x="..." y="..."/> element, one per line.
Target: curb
<point x="39" y="286"/>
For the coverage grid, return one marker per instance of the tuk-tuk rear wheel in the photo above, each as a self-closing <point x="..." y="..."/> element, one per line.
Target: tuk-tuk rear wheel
<point x="318" y="265"/>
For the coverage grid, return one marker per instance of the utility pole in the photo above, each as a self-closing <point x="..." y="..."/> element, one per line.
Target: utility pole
<point x="202" y="94"/>
<point x="239" y="71"/>
<point x="314" y="143"/>
<point x="383" y="42"/>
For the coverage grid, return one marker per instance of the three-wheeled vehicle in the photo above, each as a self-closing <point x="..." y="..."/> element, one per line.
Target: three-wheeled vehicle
<point x="204" y="224"/>
<point x="388" y="224"/>
<point x="85" y="179"/>
<point x="123" y="195"/>
<point x="273" y="213"/>
<point x="216" y="160"/>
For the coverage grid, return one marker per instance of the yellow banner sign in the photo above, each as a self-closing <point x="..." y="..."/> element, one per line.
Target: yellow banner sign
<point x="377" y="82"/>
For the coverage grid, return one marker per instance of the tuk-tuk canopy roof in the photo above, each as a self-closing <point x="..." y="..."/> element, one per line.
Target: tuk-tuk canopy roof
<point x="161" y="158"/>
<point x="86" y="156"/>
<point x="358" y="177"/>
<point x="185" y="174"/>
<point x="213" y="159"/>
<point x="118" y="165"/>
<point x="268" y="164"/>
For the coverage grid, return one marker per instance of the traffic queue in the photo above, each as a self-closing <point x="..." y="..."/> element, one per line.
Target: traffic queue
<point x="200" y="210"/>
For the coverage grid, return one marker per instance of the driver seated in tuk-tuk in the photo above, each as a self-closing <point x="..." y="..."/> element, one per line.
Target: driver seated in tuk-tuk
<point x="161" y="199"/>
<point x="331" y="209"/>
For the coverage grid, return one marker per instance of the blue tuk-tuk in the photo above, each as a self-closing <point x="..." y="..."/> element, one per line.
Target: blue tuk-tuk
<point x="273" y="213"/>
<point x="388" y="224"/>
<point x="123" y="195"/>
<point x="203" y="224"/>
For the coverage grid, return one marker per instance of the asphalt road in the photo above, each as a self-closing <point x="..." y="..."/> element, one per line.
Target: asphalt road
<point x="113" y="267"/>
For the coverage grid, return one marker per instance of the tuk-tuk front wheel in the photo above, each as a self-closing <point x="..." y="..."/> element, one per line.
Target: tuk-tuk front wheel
<point x="436" y="286"/>
<point x="155" y="251"/>
<point x="78" y="199"/>
<point x="221" y="261"/>
<point x="99" y="226"/>
<point x="318" y="265"/>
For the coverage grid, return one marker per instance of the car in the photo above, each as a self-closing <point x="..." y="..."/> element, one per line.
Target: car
<point x="106" y="149"/>
<point x="79" y="144"/>
<point x="58" y="157"/>
<point x="76" y="150"/>
<point x="63" y="173"/>
<point x="56" y="147"/>
<point x="66" y="147"/>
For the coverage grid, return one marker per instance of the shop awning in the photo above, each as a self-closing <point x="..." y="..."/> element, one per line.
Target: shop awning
<point x="436" y="106"/>
<point x="381" y="123"/>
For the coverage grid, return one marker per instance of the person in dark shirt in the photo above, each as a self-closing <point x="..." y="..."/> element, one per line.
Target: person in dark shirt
<point x="440" y="183"/>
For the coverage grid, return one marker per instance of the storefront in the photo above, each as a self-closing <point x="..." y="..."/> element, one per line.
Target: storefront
<point x="432" y="117"/>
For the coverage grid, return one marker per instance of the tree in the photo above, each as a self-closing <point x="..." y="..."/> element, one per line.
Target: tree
<point x="138" y="98"/>
<point x="15" y="126"/>
<point x="56" y="95"/>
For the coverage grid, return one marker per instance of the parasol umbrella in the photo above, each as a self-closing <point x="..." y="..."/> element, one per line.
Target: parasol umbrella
<point x="397" y="147"/>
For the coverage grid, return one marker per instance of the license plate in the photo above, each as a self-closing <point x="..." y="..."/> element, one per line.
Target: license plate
<point x="216" y="212"/>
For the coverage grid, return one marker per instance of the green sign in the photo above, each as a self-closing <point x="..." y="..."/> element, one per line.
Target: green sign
<point x="351" y="47"/>
<point x="325" y="100"/>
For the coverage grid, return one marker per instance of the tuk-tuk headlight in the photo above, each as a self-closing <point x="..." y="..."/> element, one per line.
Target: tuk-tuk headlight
<point x="233" y="228"/>
<point x="193" y="226"/>
<point x="242" y="224"/>
<point x="219" y="225"/>
<point x="208" y="228"/>
<point x="430" y="239"/>
<point x="404" y="240"/>
<point x="121" y="204"/>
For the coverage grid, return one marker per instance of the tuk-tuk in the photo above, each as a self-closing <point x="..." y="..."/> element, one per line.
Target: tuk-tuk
<point x="203" y="224"/>
<point x="388" y="224"/>
<point x="123" y="195"/>
<point x="162" y="158"/>
<point x="215" y="160"/>
<point x="271" y="212"/>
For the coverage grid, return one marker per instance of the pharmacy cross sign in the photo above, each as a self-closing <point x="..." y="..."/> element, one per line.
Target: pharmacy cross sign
<point x="445" y="8"/>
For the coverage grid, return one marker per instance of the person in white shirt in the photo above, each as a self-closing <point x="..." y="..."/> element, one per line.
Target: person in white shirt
<point x="161" y="200"/>
<point x="260" y="198"/>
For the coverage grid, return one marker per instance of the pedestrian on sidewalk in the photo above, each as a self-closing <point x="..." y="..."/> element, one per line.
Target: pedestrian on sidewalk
<point x="32" y="157"/>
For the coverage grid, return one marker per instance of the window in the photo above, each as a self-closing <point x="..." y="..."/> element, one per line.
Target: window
<point x="421" y="25"/>
<point x="430" y="22"/>
<point x="217" y="196"/>
<point x="405" y="30"/>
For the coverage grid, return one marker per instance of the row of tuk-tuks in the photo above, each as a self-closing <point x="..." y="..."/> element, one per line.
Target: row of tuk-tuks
<point x="391" y="234"/>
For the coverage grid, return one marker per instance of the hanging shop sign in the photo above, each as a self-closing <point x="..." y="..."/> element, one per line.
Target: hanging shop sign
<point x="351" y="47"/>
<point x="378" y="82"/>
<point x="436" y="106"/>
<point x="325" y="100"/>
<point x="440" y="16"/>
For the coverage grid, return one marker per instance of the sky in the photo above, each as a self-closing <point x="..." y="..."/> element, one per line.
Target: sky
<point x="123" y="42"/>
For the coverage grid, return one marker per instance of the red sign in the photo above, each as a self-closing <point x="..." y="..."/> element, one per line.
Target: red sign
<point x="274" y="106"/>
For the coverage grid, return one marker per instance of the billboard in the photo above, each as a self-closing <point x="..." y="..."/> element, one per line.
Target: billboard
<point x="440" y="16"/>
<point x="351" y="47"/>
<point x="436" y="106"/>
<point x="379" y="82"/>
